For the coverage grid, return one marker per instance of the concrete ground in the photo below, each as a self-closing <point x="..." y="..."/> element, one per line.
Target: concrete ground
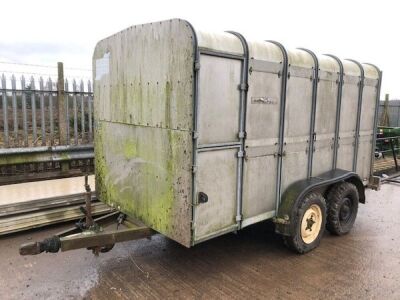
<point x="252" y="264"/>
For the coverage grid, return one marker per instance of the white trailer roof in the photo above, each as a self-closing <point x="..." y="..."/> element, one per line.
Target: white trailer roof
<point x="259" y="49"/>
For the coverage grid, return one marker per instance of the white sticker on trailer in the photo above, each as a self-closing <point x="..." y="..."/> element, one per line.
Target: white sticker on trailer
<point x="102" y="66"/>
<point x="263" y="100"/>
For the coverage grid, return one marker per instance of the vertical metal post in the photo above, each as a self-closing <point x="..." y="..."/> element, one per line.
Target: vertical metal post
<point x="61" y="106"/>
<point x="51" y="115"/>
<point x="242" y="126"/>
<point x="66" y="98"/>
<point x="14" y="108"/>
<point x="33" y="107"/>
<point x="5" y="110"/>
<point x="360" y="96"/>
<point x="196" y="71"/>
<point x="394" y="154"/>
<point x="42" y="114"/>
<point x="24" y="114"/>
<point x="82" y="91"/>
<point x="88" y="203"/>
<point x="338" y="109"/>
<point x="90" y="111"/>
<point x="375" y="130"/>
<point x="75" y="112"/>
<point x="313" y="136"/>
<point x="282" y="110"/>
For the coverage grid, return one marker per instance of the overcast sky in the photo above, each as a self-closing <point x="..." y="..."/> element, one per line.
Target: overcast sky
<point x="44" y="32"/>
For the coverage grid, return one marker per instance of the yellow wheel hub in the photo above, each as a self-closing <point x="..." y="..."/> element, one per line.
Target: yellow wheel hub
<point x="311" y="224"/>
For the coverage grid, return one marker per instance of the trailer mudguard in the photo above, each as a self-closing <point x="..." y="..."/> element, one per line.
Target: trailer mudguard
<point x="295" y="192"/>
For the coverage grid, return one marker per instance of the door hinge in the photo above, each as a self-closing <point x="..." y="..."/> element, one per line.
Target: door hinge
<point x="194" y="169"/>
<point x="196" y="65"/>
<point x="282" y="154"/>
<point x="314" y="74"/>
<point x="243" y="87"/>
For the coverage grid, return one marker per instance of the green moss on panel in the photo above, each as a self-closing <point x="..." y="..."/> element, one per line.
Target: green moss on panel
<point x="138" y="176"/>
<point x="130" y="150"/>
<point x="167" y="110"/>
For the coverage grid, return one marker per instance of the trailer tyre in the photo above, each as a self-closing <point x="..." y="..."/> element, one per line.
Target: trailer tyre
<point x="309" y="223"/>
<point x="342" y="208"/>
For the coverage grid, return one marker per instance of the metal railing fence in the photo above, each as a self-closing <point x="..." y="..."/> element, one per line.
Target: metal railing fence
<point x="387" y="155"/>
<point x="46" y="128"/>
<point x="29" y="112"/>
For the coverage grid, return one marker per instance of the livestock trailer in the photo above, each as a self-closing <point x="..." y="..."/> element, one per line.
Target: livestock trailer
<point x="198" y="134"/>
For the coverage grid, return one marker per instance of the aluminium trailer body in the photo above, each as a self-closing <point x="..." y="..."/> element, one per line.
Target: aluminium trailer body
<point x="199" y="134"/>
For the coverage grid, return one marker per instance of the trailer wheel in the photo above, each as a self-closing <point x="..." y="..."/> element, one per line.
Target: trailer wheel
<point x="342" y="208"/>
<point x="309" y="223"/>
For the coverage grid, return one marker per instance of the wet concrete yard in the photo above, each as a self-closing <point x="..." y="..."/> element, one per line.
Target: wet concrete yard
<point x="252" y="264"/>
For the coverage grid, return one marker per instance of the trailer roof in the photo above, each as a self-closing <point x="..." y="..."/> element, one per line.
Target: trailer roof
<point x="229" y="43"/>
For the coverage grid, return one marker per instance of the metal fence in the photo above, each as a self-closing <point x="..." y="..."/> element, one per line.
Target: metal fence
<point x="393" y="110"/>
<point x="46" y="128"/>
<point x="387" y="158"/>
<point x="29" y="112"/>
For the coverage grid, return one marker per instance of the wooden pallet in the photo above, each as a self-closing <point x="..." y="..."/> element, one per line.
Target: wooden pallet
<point x="385" y="164"/>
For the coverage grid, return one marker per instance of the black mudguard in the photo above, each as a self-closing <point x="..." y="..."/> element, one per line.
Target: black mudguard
<point x="295" y="192"/>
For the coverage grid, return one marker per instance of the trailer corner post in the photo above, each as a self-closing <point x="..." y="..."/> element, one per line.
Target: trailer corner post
<point x="378" y="96"/>
<point x="195" y="135"/>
